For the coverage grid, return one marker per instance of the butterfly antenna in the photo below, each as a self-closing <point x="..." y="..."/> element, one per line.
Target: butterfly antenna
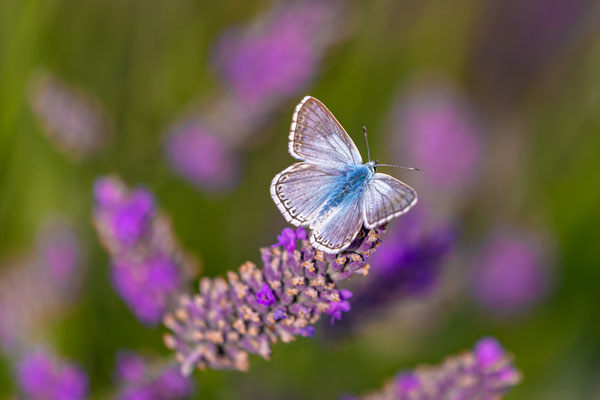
<point x="399" y="166"/>
<point x="367" y="140"/>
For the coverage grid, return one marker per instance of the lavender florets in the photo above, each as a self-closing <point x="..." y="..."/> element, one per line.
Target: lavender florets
<point x="486" y="372"/>
<point x="255" y="308"/>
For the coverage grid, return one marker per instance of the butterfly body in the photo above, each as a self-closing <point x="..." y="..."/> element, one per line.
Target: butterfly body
<point x="331" y="190"/>
<point x="350" y="185"/>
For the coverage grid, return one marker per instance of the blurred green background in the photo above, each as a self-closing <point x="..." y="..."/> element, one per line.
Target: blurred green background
<point x="146" y="61"/>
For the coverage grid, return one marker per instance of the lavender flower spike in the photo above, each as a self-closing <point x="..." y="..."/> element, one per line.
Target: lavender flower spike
<point x="484" y="373"/>
<point x="148" y="265"/>
<point x="255" y="308"/>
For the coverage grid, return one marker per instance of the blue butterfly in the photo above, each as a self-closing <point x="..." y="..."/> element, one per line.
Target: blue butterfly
<point x="331" y="191"/>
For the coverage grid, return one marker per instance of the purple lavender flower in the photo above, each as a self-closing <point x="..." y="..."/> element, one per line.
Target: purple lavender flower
<point x="336" y="308"/>
<point x="276" y="62"/>
<point x="486" y="372"/>
<point x="72" y="119"/>
<point x="59" y="253"/>
<point x="146" y="285"/>
<point x="510" y="275"/>
<point x="52" y="273"/>
<point x="147" y="264"/>
<point x="127" y="215"/>
<point x="279" y="54"/>
<point x="43" y="376"/>
<point x="288" y="238"/>
<point x="218" y="327"/>
<point x="143" y="380"/>
<point x="202" y="157"/>
<point x="265" y="295"/>
<point x="442" y="135"/>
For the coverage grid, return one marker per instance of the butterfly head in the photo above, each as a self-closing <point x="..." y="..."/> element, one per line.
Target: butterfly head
<point x="372" y="165"/>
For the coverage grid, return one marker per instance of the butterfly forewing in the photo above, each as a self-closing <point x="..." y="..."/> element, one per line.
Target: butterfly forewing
<point x="301" y="190"/>
<point x="340" y="228"/>
<point x="317" y="137"/>
<point x="385" y="198"/>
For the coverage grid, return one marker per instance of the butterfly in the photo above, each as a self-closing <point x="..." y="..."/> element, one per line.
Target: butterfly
<point x="331" y="191"/>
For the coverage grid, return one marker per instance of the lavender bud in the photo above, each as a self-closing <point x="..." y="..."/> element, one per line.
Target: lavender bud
<point x="255" y="308"/>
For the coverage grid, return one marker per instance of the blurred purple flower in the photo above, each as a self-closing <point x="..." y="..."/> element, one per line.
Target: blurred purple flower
<point x="127" y="214"/>
<point x="147" y="264"/>
<point x="337" y="308"/>
<point x="146" y="285"/>
<point x="288" y="238"/>
<point x="510" y="274"/>
<point x="59" y="253"/>
<point x="35" y="289"/>
<point x="131" y="367"/>
<point x="442" y="135"/>
<point x="140" y="380"/>
<point x="42" y="376"/>
<point x="130" y="218"/>
<point x="486" y="372"/>
<point x="201" y="157"/>
<point x="407" y="265"/>
<point x="72" y="119"/>
<point x="228" y="319"/>
<point x="277" y="62"/>
<point x="278" y="55"/>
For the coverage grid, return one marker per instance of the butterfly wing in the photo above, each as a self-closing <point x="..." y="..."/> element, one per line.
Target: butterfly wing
<point x="300" y="191"/>
<point x="317" y="137"/>
<point x="385" y="198"/>
<point x="337" y="231"/>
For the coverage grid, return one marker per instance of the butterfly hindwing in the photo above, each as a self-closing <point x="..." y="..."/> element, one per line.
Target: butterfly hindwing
<point x="317" y="137"/>
<point x="338" y="230"/>
<point x="301" y="190"/>
<point x="385" y="198"/>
